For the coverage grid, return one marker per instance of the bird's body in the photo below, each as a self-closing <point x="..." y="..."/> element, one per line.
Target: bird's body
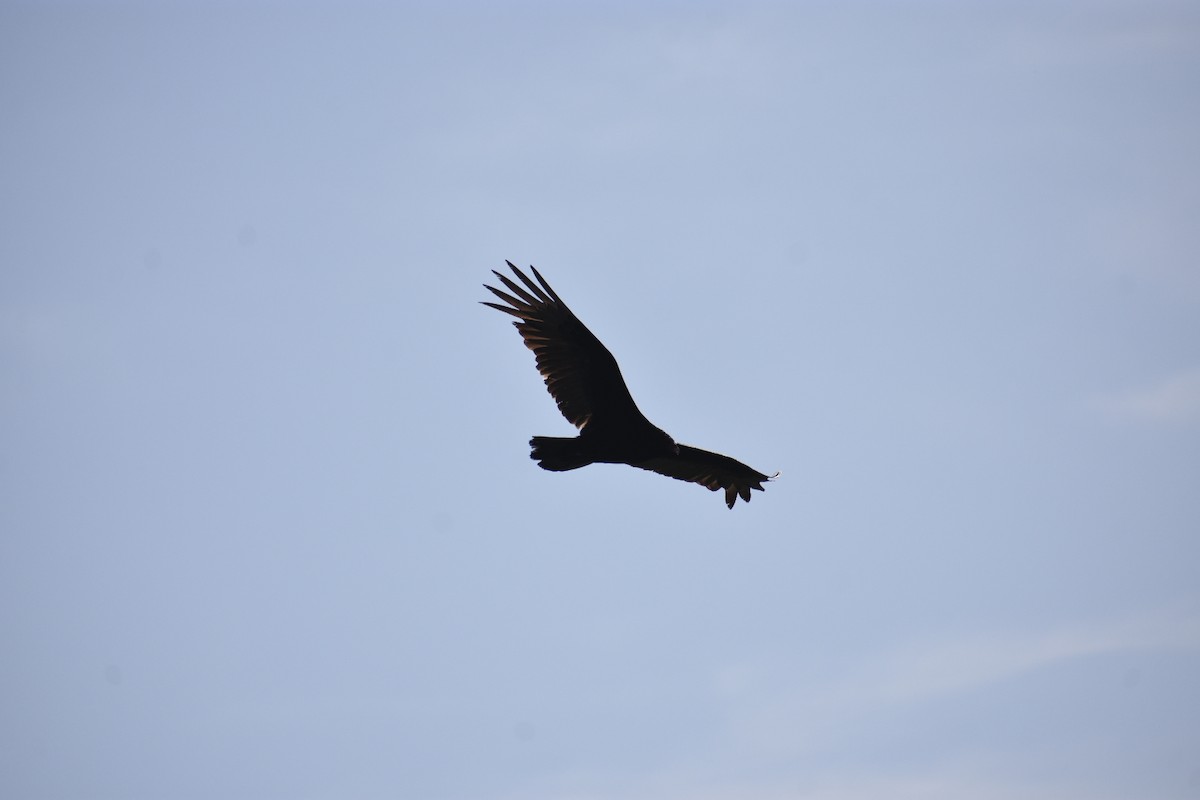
<point x="585" y="381"/>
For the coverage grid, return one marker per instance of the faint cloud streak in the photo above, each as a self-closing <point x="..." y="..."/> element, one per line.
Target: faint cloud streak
<point x="1174" y="400"/>
<point x="789" y="727"/>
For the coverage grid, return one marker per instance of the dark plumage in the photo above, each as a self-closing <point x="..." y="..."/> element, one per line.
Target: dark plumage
<point x="585" y="381"/>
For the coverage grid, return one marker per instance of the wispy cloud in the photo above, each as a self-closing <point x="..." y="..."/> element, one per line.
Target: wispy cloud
<point x="940" y="669"/>
<point x="929" y="671"/>
<point x="1174" y="400"/>
<point x="803" y="739"/>
<point x="784" y="721"/>
<point x="1100" y="39"/>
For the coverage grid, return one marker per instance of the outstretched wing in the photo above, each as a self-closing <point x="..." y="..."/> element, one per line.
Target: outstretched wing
<point x="712" y="470"/>
<point x="582" y="376"/>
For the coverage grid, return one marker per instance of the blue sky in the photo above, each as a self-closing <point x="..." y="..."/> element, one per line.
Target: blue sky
<point x="270" y="527"/>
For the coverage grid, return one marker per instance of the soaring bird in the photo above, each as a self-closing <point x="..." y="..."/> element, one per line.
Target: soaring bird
<point x="585" y="381"/>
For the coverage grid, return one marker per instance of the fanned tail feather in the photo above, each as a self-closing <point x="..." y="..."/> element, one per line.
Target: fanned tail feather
<point x="559" y="454"/>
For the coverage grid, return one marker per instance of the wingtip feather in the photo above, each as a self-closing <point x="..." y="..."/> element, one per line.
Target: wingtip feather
<point x="546" y="285"/>
<point x="505" y="309"/>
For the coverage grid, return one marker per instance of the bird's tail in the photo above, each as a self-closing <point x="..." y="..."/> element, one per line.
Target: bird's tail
<point x="559" y="454"/>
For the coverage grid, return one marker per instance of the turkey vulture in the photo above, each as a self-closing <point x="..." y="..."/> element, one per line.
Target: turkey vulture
<point x="586" y="382"/>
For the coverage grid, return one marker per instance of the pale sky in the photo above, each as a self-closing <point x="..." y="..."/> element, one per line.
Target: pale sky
<point x="270" y="528"/>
